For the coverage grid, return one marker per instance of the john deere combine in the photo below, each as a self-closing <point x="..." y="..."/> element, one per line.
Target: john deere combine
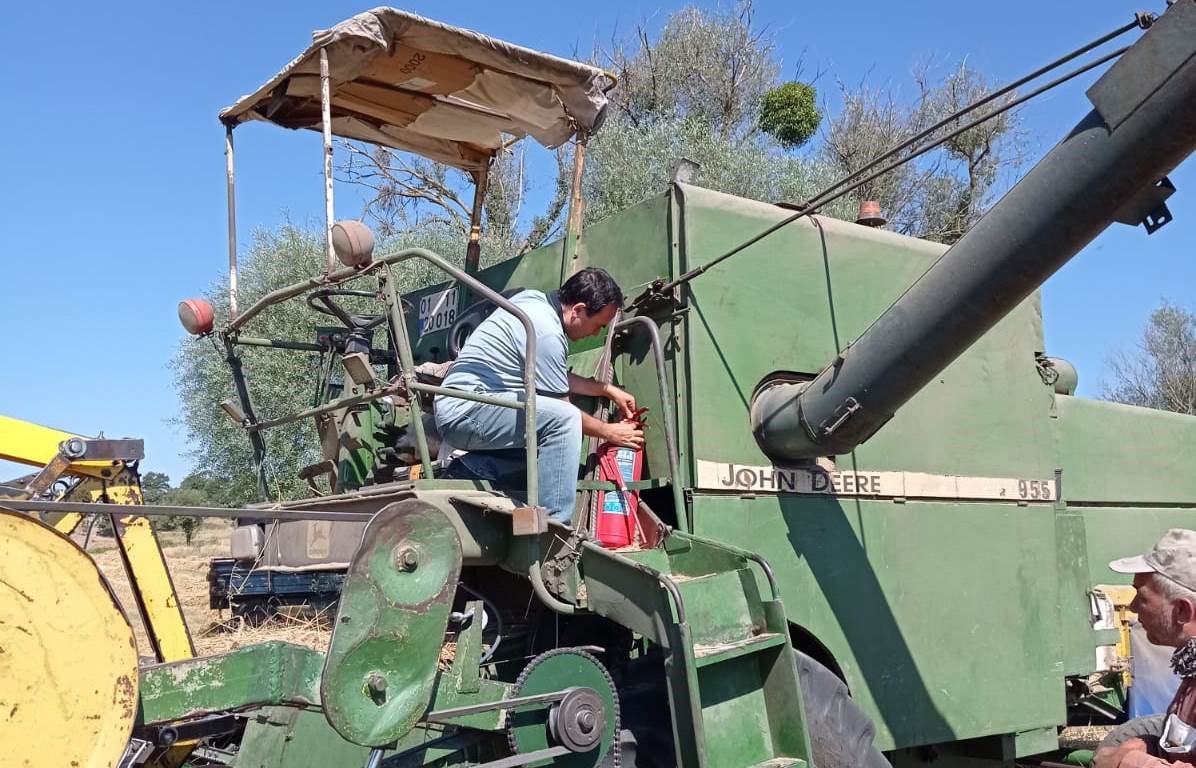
<point x="859" y="424"/>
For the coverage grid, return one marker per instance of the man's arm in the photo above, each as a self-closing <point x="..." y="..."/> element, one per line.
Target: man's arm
<point x="583" y="385"/>
<point x="618" y="432"/>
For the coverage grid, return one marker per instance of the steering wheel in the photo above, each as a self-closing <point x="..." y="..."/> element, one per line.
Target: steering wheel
<point x="322" y="301"/>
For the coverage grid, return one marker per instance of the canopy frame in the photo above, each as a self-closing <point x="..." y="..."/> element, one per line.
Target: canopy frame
<point x="468" y="97"/>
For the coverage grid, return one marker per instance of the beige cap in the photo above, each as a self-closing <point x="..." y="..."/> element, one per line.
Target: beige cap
<point x="1174" y="557"/>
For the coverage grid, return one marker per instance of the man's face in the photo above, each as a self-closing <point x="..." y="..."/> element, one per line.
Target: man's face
<point x="1154" y="611"/>
<point x="580" y="324"/>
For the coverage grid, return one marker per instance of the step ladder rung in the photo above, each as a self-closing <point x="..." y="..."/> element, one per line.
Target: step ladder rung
<point x="706" y="654"/>
<point x="682" y="578"/>
<point x="780" y="762"/>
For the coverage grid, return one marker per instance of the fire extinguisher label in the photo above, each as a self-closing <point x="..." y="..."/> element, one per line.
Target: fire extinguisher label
<point x="615" y="502"/>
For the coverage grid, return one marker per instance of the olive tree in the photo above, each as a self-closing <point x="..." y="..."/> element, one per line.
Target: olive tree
<point x="1161" y="372"/>
<point x="940" y="195"/>
<point x="280" y="381"/>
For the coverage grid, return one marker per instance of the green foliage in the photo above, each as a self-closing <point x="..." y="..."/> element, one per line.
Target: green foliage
<point x="192" y="492"/>
<point x="789" y="113"/>
<point x="280" y="381"/>
<point x="630" y="164"/>
<point x="712" y="66"/>
<point x="154" y="487"/>
<point x="1161" y="373"/>
<point x="706" y="88"/>
<point x="942" y="194"/>
<point x="695" y="91"/>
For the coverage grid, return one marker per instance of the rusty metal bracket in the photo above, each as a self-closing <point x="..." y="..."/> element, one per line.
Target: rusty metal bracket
<point x="1148" y="207"/>
<point x="556" y="566"/>
<point x="105" y="450"/>
<point x="529" y="521"/>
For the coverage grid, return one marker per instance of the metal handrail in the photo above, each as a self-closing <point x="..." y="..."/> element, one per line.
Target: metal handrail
<point x="759" y="560"/>
<point x="666" y="415"/>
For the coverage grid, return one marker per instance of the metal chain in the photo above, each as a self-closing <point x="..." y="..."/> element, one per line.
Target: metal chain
<point x="526" y="672"/>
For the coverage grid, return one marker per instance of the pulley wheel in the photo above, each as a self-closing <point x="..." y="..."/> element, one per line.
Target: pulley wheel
<point x="585" y="720"/>
<point x="68" y="661"/>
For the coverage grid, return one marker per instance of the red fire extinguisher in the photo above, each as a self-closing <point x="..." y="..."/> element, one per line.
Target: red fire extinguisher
<point x="616" y="526"/>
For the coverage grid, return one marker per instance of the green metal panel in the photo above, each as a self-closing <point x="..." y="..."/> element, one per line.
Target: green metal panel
<point x="1075" y="611"/>
<point x="792" y="301"/>
<point x="359" y="443"/>
<point x="1127" y="478"/>
<point x="285" y="737"/>
<point x="633" y="245"/>
<point x="380" y="672"/>
<point x="941" y="615"/>
<point x="267" y="673"/>
<point x="1120" y="453"/>
<point x="721" y="602"/>
<point x="1117" y="531"/>
<point x="734" y="707"/>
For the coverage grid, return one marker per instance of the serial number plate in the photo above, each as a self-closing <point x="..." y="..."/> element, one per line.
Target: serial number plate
<point x="437" y="311"/>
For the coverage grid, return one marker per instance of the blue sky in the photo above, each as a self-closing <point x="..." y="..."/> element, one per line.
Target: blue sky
<point x="113" y="206"/>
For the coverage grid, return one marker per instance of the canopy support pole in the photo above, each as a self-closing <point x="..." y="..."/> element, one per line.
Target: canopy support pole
<point x="576" y="204"/>
<point x="473" y="251"/>
<point x="232" y="220"/>
<point x="326" y="123"/>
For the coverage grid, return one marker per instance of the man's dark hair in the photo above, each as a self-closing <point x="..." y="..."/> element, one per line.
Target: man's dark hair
<point x="593" y="287"/>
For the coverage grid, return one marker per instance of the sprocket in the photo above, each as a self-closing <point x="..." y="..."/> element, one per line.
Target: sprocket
<point x="575" y="718"/>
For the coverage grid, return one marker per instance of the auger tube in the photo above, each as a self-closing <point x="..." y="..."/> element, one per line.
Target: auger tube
<point x="1106" y="169"/>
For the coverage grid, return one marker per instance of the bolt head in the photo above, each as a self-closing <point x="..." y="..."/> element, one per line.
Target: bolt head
<point x="585" y="721"/>
<point x="377" y="683"/>
<point x="406" y="559"/>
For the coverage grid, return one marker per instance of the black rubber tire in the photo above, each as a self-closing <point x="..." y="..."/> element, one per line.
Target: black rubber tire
<point x="840" y="733"/>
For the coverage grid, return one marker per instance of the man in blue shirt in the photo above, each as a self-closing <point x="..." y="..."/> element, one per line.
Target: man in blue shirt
<point x="491" y="362"/>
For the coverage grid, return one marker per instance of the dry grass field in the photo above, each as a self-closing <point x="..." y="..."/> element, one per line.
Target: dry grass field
<point x="211" y="631"/>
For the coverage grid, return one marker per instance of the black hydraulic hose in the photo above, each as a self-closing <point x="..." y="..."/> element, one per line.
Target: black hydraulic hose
<point x="497" y="621"/>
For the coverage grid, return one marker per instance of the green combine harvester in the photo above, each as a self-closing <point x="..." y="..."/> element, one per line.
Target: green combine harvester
<point x="875" y="518"/>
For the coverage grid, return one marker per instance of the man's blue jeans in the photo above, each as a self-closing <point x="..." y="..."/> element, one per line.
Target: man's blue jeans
<point x="472" y="426"/>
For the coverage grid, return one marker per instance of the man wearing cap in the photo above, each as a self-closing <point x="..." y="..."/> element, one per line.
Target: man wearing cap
<point x="1165" y="580"/>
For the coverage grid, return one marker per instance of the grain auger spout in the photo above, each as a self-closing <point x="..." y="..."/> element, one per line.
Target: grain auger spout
<point x="1111" y="167"/>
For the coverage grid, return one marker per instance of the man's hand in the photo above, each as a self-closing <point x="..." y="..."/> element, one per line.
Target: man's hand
<point x="624" y="400"/>
<point x="1129" y="754"/>
<point x="623" y="434"/>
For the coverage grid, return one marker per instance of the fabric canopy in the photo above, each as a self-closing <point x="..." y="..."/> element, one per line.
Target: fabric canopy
<point x="442" y="92"/>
